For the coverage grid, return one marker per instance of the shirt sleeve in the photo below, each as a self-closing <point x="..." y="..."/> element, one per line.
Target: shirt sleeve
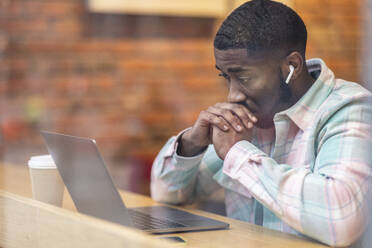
<point x="328" y="202"/>
<point x="176" y="179"/>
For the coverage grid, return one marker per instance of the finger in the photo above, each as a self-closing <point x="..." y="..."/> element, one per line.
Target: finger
<point x="242" y="112"/>
<point x="241" y="106"/>
<point x="228" y="116"/>
<point x="215" y="120"/>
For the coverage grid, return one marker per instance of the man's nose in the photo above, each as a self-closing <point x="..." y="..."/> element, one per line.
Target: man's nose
<point x="235" y="93"/>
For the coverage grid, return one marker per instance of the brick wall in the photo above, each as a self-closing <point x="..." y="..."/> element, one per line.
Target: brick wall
<point x="129" y="81"/>
<point x="367" y="42"/>
<point x="335" y="34"/>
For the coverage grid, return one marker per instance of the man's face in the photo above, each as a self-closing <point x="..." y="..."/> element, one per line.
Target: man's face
<point x="255" y="82"/>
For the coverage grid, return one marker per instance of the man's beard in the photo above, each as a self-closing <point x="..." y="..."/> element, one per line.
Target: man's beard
<point x="284" y="101"/>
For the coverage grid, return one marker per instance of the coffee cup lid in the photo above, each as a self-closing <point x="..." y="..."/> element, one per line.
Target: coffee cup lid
<point x="41" y="162"/>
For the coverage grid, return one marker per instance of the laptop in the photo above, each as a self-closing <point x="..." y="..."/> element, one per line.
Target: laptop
<point x="93" y="192"/>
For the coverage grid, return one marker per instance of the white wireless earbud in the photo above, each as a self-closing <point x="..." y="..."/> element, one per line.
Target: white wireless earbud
<point x="291" y="70"/>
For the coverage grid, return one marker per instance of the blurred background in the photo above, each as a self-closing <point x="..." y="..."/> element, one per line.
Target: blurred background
<point x="133" y="73"/>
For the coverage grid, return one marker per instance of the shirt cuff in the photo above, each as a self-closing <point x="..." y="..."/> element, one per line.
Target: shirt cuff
<point x="242" y="151"/>
<point x="186" y="161"/>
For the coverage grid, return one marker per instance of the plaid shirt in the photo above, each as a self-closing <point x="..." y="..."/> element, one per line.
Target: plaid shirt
<point x="310" y="174"/>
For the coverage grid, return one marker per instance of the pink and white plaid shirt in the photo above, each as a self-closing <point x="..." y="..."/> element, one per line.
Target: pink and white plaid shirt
<point x="310" y="175"/>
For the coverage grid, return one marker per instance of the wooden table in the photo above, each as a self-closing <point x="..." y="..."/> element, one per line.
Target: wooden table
<point x="15" y="179"/>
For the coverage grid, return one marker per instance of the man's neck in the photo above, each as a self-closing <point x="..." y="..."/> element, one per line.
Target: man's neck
<point x="302" y="85"/>
<point x="298" y="89"/>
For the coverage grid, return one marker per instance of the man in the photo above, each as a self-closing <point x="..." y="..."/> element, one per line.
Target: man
<point x="290" y="147"/>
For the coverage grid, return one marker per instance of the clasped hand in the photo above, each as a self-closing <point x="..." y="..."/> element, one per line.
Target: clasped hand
<point x="222" y="125"/>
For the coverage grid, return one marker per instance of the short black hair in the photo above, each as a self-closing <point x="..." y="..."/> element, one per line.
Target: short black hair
<point x="262" y="25"/>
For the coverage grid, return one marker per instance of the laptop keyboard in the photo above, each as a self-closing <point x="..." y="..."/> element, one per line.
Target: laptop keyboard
<point x="147" y="222"/>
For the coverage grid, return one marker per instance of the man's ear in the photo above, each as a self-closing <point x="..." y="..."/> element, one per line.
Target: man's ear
<point x="296" y="60"/>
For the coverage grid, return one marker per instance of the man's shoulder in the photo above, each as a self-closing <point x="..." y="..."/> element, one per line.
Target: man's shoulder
<point x="346" y="97"/>
<point x="347" y="90"/>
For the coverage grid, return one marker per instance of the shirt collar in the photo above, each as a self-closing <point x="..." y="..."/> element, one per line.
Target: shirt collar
<point x="302" y="113"/>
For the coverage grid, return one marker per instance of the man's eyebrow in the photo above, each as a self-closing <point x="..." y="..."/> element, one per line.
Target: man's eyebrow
<point x="235" y="69"/>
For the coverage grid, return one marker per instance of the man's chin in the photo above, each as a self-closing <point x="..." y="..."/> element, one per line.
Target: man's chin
<point x="251" y="106"/>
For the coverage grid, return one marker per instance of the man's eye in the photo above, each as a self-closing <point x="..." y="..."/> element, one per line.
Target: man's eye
<point x="224" y="75"/>
<point x="244" y="80"/>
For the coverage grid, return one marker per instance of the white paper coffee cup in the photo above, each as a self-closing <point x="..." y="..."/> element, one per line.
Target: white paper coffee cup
<point x="47" y="184"/>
